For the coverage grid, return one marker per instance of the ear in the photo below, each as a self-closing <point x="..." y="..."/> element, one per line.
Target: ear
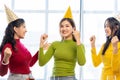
<point x="15" y="29"/>
<point x="74" y="28"/>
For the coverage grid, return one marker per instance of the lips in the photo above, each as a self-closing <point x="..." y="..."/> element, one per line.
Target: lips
<point x="106" y="32"/>
<point x="64" y="32"/>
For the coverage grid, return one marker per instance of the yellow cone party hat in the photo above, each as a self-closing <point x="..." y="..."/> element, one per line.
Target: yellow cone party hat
<point x="68" y="13"/>
<point x="11" y="16"/>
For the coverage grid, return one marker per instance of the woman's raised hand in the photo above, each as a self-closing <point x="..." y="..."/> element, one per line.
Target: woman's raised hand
<point x="92" y="40"/>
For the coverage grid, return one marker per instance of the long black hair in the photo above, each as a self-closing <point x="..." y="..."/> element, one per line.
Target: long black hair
<point x="9" y="33"/>
<point x="114" y="25"/>
<point x="71" y="22"/>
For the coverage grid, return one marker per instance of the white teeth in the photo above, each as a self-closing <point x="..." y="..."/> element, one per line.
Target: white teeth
<point x="64" y="32"/>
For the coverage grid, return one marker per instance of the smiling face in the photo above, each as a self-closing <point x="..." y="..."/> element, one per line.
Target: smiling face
<point x="66" y="29"/>
<point x="20" y="31"/>
<point x="107" y="29"/>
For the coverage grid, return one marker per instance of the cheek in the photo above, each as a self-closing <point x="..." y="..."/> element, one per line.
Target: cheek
<point x="22" y="32"/>
<point x="71" y="30"/>
<point x="109" y="31"/>
<point x="60" y="30"/>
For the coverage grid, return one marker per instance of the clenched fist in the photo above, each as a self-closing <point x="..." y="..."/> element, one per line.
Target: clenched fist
<point x="7" y="55"/>
<point x="92" y="40"/>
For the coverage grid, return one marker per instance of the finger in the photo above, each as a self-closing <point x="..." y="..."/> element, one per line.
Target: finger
<point x="91" y="38"/>
<point x="7" y="50"/>
<point x="45" y="36"/>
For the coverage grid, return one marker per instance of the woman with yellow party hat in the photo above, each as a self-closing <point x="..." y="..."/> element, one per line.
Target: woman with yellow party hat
<point x="66" y="52"/>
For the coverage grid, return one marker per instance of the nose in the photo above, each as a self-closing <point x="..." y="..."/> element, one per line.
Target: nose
<point x="25" y="30"/>
<point x="105" y="28"/>
<point x="64" y="28"/>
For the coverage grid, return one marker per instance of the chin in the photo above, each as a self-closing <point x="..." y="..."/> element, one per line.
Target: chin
<point x="64" y="36"/>
<point x="107" y="35"/>
<point x="22" y="37"/>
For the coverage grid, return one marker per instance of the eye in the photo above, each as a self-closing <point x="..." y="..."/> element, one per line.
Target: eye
<point x="61" y="26"/>
<point x="67" y="26"/>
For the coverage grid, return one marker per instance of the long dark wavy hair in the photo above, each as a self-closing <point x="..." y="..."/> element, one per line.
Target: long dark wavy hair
<point x="9" y="33"/>
<point x="71" y="22"/>
<point x="114" y="25"/>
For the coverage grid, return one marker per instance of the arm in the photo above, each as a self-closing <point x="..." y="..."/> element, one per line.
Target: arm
<point x="96" y="59"/>
<point x="5" y="56"/>
<point x="3" y="69"/>
<point x="80" y="48"/>
<point x="34" y="59"/>
<point x="116" y="62"/>
<point x="81" y="54"/>
<point x="116" y="54"/>
<point x="44" y="58"/>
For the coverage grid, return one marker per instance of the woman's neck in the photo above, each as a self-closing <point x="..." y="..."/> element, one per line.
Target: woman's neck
<point x="67" y="38"/>
<point x="16" y="37"/>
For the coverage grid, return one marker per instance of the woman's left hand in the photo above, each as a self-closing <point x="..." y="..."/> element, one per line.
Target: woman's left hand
<point x="114" y="42"/>
<point x="76" y="35"/>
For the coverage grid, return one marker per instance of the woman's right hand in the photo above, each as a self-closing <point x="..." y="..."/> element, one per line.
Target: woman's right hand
<point x="92" y="41"/>
<point x="7" y="55"/>
<point x="43" y="39"/>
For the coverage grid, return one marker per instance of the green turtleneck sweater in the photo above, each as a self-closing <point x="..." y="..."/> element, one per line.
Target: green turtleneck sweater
<point x="66" y="53"/>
